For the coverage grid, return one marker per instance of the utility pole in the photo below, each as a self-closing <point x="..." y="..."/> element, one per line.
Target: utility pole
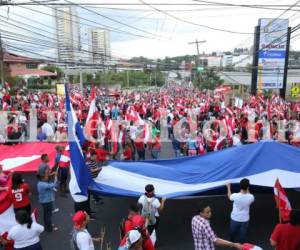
<point x="197" y="45"/>
<point x="127" y="78"/>
<point x="197" y="61"/>
<point x="1" y="63"/>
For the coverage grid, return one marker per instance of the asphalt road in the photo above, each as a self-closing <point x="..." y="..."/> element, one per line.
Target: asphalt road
<point x="175" y="230"/>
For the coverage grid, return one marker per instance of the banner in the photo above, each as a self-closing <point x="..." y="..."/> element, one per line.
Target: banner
<point x="272" y="53"/>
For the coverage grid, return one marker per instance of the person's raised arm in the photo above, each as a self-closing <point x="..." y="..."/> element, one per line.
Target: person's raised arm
<point x="228" y="185"/>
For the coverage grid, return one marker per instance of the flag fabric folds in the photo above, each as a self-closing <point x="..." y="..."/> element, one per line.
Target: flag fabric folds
<point x="261" y="162"/>
<point x="282" y="201"/>
<point x="80" y="176"/>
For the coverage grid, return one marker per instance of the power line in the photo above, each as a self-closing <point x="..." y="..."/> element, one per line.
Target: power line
<point x="192" y="23"/>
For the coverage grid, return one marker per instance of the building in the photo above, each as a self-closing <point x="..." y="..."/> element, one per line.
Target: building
<point x="24" y="67"/>
<point x="100" y="46"/>
<point x="210" y="61"/>
<point x="67" y="34"/>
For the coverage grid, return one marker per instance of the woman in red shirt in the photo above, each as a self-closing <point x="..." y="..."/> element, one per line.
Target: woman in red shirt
<point x="287" y="236"/>
<point x="156" y="146"/>
<point x="127" y="153"/>
<point x="20" y="193"/>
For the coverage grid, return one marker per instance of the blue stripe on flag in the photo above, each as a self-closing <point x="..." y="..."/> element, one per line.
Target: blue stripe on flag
<point x="76" y="139"/>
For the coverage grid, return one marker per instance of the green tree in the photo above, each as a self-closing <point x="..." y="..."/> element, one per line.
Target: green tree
<point x="209" y="79"/>
<point x="53" y="68"/>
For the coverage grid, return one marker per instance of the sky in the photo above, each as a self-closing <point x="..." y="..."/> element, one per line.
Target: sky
<point x="156" y="31"/>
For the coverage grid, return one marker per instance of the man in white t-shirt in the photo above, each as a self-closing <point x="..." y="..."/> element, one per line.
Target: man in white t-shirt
<point x="240" y="211"/>
<point x="81" y="238"/>
<point x="48" y="130"/>
<point x="151" y="207"/>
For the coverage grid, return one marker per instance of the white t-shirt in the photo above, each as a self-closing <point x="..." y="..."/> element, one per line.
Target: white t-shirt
<point x="241" y="206"/>
<point x="23" y="236"/>
<point x="133" y="131"/>
<point x="47" y="129"/>
<point x="155" y="203"/>
<point x="84" y="240"/>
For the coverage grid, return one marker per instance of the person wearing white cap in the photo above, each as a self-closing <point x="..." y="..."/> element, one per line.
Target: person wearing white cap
<point x="134" y="241"/>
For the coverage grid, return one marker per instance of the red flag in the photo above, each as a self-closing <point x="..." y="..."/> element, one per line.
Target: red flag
<point x="64" y="160"/>
<point x="282" y="201"/>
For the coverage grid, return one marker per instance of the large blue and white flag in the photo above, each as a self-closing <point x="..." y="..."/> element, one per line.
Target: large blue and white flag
<point x="80" y="176"/>
<point x="262" y="163"/>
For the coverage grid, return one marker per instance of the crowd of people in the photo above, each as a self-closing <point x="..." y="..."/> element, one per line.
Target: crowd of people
<point x="128" y="125"/>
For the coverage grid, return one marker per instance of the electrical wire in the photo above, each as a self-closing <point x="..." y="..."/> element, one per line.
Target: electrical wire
<point x="192" y="23"/>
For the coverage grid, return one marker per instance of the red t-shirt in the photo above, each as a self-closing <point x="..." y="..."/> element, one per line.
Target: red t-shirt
<point x="102" y="154"/>
<point x="20" y="196"/>
<point x="127" y="154"/>
<point x="287" y="237"/>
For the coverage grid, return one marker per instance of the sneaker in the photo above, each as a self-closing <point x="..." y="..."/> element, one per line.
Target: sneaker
<point x="54" y="229"/>
<point x="55" y="210"/>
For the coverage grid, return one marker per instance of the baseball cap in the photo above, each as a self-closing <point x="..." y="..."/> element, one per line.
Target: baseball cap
<point x="78" y="219"/>
<point x="133" y="236"/>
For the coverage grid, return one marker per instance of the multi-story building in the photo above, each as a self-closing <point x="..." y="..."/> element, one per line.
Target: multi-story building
<point x="67" y="34"/>
<point x="100" y="46"/>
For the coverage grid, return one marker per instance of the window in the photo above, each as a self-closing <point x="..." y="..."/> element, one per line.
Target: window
<point x="31" y="66"/>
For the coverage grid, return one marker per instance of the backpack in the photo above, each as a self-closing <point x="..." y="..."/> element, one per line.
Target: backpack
<point x="73" y="244"/>
<point x="148" y="210"/>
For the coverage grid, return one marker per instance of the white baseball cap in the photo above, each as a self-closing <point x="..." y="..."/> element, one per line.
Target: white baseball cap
<point x="134" y="236"/>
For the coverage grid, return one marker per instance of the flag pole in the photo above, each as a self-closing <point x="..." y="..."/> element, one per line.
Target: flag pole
<point x="279" y="214"/>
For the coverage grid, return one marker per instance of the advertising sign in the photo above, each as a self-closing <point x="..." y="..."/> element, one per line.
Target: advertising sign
<point x="272" y="53"/>
<point x="60" y="89"/>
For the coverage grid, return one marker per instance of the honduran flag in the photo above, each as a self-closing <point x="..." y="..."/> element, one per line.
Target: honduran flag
<point x="205" y="174"/>
<point x="80" y="176"/>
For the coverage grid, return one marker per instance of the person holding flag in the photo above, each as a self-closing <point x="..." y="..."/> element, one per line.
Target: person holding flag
<point x="240" y="212"/>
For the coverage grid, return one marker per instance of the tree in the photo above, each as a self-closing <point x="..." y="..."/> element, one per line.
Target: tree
<point x="53" y="68"/>
<point x="209" y="79"/>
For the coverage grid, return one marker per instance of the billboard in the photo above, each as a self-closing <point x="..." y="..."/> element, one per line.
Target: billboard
<point x="272" y="53"/>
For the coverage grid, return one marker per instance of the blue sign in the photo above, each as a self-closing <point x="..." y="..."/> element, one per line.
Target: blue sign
<point x="272" y="54"/>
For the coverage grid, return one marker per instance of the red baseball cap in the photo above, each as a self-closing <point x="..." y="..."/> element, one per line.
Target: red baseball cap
<point x="78" y="219"/>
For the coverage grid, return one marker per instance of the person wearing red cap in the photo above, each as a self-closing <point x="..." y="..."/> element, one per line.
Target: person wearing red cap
<point x="138" y="223"/>
<point x="81" y="238"/>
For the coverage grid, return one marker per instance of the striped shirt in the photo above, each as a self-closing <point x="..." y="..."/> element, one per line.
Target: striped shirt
<point x="92" y="165"/>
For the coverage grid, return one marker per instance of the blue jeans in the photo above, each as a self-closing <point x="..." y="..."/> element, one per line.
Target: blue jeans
<point x="47" y="214"/>
<point x="141" y="155"/>
<point x="177" y="153"/>
<point x="36" y="246"/>
<point x="155" y="154"/>
<point x="238" y="231"/>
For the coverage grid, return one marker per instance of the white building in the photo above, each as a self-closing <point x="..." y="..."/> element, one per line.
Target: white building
<point x="100" y="46"/>
<point x="227" y="60"/>
<point x="211" y="61"/>
<point x="67" y="34"/>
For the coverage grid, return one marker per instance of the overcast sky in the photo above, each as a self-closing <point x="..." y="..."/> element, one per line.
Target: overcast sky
<point x="165" y="34"/>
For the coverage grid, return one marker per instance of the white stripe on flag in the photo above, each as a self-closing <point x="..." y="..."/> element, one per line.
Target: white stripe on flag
<point x="130" y="181"/>
<point x="11" y="163"/>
